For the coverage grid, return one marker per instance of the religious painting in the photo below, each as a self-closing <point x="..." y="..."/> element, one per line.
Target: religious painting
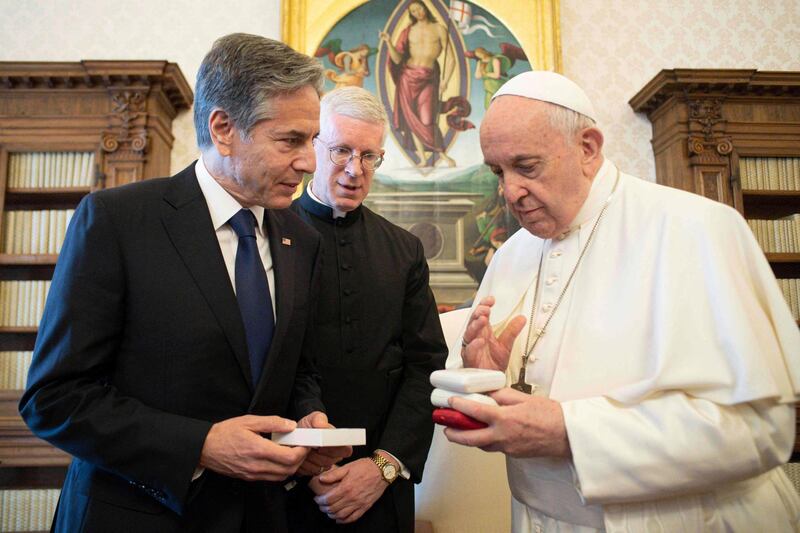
<point x="434" y="65"/>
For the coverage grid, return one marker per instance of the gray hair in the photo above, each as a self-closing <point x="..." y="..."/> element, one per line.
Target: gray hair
<point x="567" y="121"/>
<point x="241" y="74"/>
<point x="353" y="102"/>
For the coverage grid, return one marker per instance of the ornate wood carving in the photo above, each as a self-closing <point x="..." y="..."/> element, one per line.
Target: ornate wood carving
<point x="120" y="110"/>
<point x="703" y="119"/>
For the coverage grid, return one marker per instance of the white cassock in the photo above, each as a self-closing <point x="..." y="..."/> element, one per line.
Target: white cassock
<point x="676" y="361"/>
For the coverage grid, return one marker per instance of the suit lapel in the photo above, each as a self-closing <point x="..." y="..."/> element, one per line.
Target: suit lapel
<point x="188" y="223"/>
<point x="283" y="253"/>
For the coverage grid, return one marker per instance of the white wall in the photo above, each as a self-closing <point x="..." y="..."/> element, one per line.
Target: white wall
<point x="180" y="31"/>
<point x="610" y="47"/>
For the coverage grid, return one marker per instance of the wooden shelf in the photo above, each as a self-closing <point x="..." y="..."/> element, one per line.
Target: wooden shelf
<point x="60" y="198"/>
<point x="771" y="193"/>
<point x="49" y="191"/>
<point x="19" y="329"/>
<point x="28" y="259"/>
<point x="783" y="258"/>
<point x="120" y="111"/>
<point x="770" y="206"/>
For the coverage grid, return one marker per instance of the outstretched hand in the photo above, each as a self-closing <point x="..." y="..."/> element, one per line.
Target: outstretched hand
<point x="482" y="348"/>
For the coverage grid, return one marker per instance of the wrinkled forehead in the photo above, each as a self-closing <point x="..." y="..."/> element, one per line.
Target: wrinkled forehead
<point x="514" y="113"/>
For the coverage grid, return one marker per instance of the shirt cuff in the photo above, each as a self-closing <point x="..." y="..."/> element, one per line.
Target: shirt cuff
<point x="404" y="472"/>
<point x="198" y="472"/>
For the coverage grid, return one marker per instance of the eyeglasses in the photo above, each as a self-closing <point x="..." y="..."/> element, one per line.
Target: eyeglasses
<point x="341" y="156"/>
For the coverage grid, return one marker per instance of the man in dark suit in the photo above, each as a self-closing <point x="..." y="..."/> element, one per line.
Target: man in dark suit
<point x="377" y="333"/>
<point x="170" y="297"/>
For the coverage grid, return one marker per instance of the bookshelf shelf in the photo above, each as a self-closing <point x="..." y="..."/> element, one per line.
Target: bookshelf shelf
<point x="770" y="204"/>
<point x="761" y="193"/>
<point x="101" y="124"/>
<point x="62" y="198"/>
<point x="733" y="135"/>
<point x="28" y="259"/>
<point x="19" y="329"/>
<point x="783" y="258"/>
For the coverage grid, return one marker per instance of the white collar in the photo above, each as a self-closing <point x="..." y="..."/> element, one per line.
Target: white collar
<point x="599" y="192"/>
<point x="221" y="205"/>
<point x="336" y="212"/>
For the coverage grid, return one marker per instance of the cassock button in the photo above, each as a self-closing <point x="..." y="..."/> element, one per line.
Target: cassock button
<point x="347" y="320"/>
<point x="547" y="307"/>
<point x="555" y="254"/>
<point x="347" y="292"/>
<point x="342" y="242"/>
<point x="552" y="280"/>
<point x="345" y="267"/>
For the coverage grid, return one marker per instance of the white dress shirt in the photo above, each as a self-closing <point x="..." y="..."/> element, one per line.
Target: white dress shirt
<point x="222" y="206"/>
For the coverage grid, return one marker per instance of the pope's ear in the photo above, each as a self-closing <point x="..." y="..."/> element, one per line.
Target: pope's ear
<point x="222" y="130"/>
<point x="591" y="144"/>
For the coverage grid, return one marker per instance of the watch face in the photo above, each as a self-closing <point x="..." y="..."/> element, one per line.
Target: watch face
<point x="389" y="471"/>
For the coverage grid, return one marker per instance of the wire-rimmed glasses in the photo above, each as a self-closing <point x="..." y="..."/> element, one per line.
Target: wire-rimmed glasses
<point x="341" y="156"/>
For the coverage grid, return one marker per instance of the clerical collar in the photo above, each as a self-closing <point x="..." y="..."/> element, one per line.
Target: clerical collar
<point x="602" y="185"/>
<point x="318" y="208"/>
<point x="334" y="212"/>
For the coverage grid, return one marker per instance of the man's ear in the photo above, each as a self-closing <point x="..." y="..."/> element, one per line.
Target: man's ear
<point x="591" y="140"/>
<point x="222" y="130"/>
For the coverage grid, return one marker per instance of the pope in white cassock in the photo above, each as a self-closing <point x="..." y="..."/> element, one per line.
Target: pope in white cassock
<point x="652" y="359"/>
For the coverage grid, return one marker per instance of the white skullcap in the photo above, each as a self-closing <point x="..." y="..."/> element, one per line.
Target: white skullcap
<point x="549" y="87"/>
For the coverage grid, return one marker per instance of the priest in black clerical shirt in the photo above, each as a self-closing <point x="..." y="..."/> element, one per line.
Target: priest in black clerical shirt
<point x="377" y="334"/>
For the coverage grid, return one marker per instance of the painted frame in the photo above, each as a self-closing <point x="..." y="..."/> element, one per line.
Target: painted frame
<point x="535" y="23"/>
<point x="433" y="182"/>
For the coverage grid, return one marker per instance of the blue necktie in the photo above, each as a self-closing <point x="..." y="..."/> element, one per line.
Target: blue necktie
<point x="252" y="292"/>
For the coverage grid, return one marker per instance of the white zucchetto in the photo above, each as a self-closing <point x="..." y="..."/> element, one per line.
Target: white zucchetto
<point x="549" y="87"/>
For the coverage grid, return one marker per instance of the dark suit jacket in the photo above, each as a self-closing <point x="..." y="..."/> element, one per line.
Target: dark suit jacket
<point x="142" y="348"/>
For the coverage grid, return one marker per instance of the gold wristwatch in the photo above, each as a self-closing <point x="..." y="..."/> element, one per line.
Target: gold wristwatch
<point x="388" y="470"/>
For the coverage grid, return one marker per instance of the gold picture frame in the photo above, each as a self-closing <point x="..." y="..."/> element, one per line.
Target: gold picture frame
<point x="433" y="182"/>
<point x="535" y="24"/>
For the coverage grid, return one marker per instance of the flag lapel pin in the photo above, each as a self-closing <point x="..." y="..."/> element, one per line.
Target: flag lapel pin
<point x="286" y="241"/>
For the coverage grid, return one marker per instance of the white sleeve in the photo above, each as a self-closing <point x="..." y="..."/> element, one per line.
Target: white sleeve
<point x="672" y="444"/>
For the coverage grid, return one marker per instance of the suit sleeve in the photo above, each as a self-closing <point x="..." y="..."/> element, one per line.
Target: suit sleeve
<point x="70" y="400"/>
<point x="307" y="394"/>
<point x="672" y="444"/>
<point x="409" y="428"/>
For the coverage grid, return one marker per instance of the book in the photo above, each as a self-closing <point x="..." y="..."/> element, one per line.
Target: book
<point x="27" y="509"/>
<point x="317" y="438"/>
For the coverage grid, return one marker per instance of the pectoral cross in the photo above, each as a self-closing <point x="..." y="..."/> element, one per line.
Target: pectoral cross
<point x="520" y="385"/>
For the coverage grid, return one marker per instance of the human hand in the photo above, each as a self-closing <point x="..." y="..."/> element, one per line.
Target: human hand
<point x="483" y="349"/>
<point x="347" y="492"/>
<point x="235" y="448"/>
<point x="320" y="459"/>
<point x="520" y="425"/>
<point x="383" y="36"/>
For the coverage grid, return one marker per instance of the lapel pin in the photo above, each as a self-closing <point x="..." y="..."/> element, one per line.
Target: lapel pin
<point x="286" y="241"/>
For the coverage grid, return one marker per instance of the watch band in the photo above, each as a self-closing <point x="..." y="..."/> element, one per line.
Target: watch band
<point x="382" y="463"/>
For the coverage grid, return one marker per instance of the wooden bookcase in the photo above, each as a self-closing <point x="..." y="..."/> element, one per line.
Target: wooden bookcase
<point x="709" y="124"/>
<point x="117" y="117"/>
